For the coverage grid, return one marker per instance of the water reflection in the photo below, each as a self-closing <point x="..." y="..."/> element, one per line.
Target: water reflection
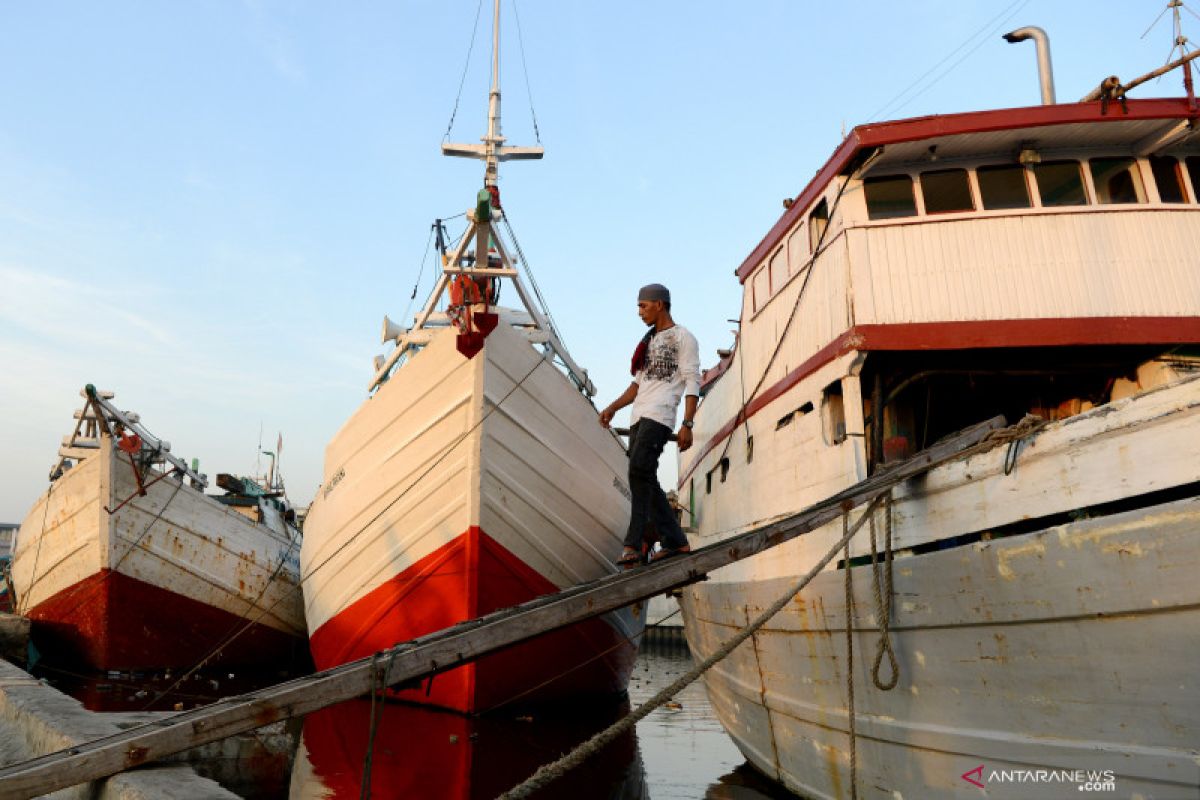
<point x="678" y="752"/>
<point x="426" y="753"/>
<point x="687" y="753"/>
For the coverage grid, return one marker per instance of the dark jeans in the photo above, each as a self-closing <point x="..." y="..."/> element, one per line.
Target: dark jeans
<point x="649" y="504"/>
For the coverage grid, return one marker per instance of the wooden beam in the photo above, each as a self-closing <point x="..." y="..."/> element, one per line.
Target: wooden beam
<point x="443" y="650"/>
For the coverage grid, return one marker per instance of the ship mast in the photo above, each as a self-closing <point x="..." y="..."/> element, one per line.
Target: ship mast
<point x="481" y="264"/>
<point x="493" y="151"/>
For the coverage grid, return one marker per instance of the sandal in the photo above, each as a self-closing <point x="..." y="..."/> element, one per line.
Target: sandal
<point x="669" y="552"/>
<point x="629" y="558"/>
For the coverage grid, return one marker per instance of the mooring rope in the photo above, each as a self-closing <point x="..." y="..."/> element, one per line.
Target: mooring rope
<point x="378" y="685"/>
<point x="850" y="717"/>
<point x="548" y="773"/>
<point x="883" y="600"/>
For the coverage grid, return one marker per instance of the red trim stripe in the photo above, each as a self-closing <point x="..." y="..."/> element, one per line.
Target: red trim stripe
<point x="978" y="334"/>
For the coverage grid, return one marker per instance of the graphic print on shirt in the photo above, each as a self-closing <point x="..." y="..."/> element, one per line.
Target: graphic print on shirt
<point x="663" y="361"/>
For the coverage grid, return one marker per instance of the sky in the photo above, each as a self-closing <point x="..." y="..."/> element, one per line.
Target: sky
<point x="208" y="207"/>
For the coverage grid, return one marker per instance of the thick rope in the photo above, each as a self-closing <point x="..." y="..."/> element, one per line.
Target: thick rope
<point x="883" y="600"/>
<point x="548" y="773"/>
<point x="850" y="718"/>
<point x="378" y="685"/>
<point x="37" y="555"/>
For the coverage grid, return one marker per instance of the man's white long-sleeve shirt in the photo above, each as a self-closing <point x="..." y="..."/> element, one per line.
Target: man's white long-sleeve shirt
<point x="672" y="370"/>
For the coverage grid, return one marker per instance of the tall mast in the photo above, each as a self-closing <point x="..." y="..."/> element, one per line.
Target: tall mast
<point x="494" y="139"/>
<point x="493" y="151"/>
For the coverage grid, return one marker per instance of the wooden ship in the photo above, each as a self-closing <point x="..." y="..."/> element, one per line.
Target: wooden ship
<point x="126" y="564"/>
<point x="474" y="477"/>
<point x="1039" y="597"/>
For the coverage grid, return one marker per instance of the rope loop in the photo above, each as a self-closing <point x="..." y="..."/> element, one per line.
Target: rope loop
<point x="883" y="601"/>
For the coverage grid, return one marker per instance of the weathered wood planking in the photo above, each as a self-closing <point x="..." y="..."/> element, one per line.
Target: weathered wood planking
<point x="446" y="649"/>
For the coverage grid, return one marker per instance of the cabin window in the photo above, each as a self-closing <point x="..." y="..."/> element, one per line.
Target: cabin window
<point x="833" y="414"/>
<point x="888" y="198"/>
<point x="1003" y="186"/>
<point x="1193" y="170"/>
<point x="818" y="221"/>
<point x="762" y="288"/>
<point x="946" y="190"/>
<point x="778" y="269"/>
<point x="1116" y="181"/>
<point x="1168" y="179"/>
<point x="797" y="250"/>
<point x="1060" y="183"/>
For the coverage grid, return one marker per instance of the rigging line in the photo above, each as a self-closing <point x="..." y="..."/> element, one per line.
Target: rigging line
<point x="462" y="81"/>
<point x="441" y="457"/>
<point x="146" y="530"/>
<point x="537" y="291"/>
<point x="304" y="577"/>
<point x="420" y="273"/>
<point x="549" y="772"/>
<point x="1004" y="23"/>
<point x="234" y="632"/>
<point x="17" y="606"/>
<point x="525" y="69"/>
<point x="78" y="587"/>
<point x="986" y="27"/>
<point x="344" y="545"/>
<point x="810" y="266"/>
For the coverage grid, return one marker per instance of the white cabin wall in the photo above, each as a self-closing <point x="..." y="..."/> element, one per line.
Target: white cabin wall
<point x="1093" y="263"/>
<point x="793" y="465"/>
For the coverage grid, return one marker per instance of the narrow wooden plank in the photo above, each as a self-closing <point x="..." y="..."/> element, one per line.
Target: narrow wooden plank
<point x="443" y="650"/>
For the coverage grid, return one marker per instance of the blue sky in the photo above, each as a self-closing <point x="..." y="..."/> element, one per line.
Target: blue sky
<point x="208" y="207"/>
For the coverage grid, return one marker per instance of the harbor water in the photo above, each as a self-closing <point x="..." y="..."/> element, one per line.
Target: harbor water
<point x="678" y="751"/>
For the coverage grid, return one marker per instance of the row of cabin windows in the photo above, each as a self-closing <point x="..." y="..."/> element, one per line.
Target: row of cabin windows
<point x="1008" y="186"/>
<point x="793" y="257"/>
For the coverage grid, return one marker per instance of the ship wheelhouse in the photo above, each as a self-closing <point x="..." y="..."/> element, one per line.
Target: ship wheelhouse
<point x="1024" y="261"/>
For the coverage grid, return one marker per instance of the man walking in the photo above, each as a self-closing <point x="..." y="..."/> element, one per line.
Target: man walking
<point x="666" y="366"/>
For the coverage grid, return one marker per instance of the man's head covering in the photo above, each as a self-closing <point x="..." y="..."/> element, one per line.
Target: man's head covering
<point x="654" y="291"/>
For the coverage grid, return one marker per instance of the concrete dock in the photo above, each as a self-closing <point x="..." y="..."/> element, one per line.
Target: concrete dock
<point x="36" y="719"/>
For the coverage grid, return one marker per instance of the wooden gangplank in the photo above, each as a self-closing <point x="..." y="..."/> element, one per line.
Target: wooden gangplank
<point x="410" y="661"/>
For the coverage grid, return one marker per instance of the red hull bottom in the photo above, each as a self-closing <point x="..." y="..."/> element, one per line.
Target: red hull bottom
<point x="467" y="578"/>
<point x="113" y="621"/>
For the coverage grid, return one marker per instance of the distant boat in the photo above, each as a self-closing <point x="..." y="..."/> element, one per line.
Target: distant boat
<point x="1045" y="607"/>
<point x="475" y="477"/>
<point x="124" y="563"/>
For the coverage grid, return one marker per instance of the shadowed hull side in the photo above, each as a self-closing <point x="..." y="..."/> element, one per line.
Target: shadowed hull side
<point x="1084" y="662"/>
<point x="113" y="621"/>
<point x="1045" y="616"/>
<point x="466" y="578"/>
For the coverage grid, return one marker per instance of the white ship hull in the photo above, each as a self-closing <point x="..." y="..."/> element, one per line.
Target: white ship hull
<point x="164" y="580"/>
<point x="1071" y="645"/>
<point x="465" y="485"/>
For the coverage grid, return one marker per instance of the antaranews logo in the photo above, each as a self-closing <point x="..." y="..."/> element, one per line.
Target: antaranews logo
<point x="1085" y="780"/>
